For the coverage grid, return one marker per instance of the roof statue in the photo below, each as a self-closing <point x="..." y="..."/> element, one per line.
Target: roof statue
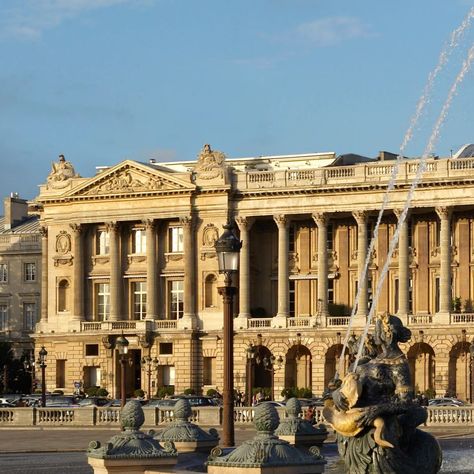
<point x="210" y="164"/>
<point x="61" y="173"/>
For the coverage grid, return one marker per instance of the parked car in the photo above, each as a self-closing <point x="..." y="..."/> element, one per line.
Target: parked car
<point x="7" y="405"/>
<point x="94" y="401"/>
<point x="197" y="400"/>
<point x="273" y="402"/>
<point x="446" y="402"/>
<point x="62" y="401"/>
<point x="161" y="402"/>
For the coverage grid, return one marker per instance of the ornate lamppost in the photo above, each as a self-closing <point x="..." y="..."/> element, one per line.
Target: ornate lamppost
<point x="228" y="251"/>
<point x="29" y="366"/>
<point x="42" y="363"/>
<point x="149" y="365"/>
<point x="122" y="346"/>
<point x="471" y="352"/>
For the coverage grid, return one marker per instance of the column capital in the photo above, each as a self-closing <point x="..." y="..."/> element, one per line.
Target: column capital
<point x="186" y="221"/>
<point x="112" y="226"/>
<point x="398" y="212"/>
<point x="43" y="230"/>
<point x="244" y="222"/>
<point x="149" y="223"/>
<point x="76" y="228"/>
<point x="444" y="212"/>
<point x="360" y="216"/>
<point x="320" y="218"/>
<point x="281" y="220"/>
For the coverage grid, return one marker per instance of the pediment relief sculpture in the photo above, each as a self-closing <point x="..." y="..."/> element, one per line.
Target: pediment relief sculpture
<point x="210" y="164"/>
<point x="60" y="174"/>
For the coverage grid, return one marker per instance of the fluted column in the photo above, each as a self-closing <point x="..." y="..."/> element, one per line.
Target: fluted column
<point x="44" y="273"/>
<point x="78" y="300"/>
<point x="283" y="268"/>
<point x="189" y="287"/>
<point x="244" y="223"/>
<point x="361" y="219"/>
<point x="403" y="266"/>
<point x="115" y="271"/>
<point x="321" y="220"/>
<point x="151" y="274"/>
<point x="444" y="214"/>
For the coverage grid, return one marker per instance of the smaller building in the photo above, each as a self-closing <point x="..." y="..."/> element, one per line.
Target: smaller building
<point x="20" y="259"/>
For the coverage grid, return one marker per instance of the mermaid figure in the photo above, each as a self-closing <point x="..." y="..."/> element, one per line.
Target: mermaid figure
<point x="373" y="412"/>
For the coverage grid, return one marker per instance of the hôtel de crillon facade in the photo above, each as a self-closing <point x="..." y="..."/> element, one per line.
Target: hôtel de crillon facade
<point x="131" y="251"/>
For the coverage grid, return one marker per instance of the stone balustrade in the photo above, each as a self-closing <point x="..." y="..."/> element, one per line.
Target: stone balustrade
<point x="206" y="416"/>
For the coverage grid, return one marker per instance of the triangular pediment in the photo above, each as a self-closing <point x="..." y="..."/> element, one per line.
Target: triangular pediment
<point x="131" y="177"/>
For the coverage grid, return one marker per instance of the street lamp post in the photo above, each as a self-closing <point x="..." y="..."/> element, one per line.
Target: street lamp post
<point x="228" y="250"/>
<point x="42" y="363"/>
<point x="150" y="365"/>
<point x="122" y="346"/>
<point x="471" y="352"/>
<point x="29" y="366"/>
<point x="250" y="360"/>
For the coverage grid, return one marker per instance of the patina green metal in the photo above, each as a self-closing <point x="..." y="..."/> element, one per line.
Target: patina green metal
<point x="131" y="443"/>
<point x="181" y="430"/>
<point x="265" y="449"/>
<point x="295" y="425"/>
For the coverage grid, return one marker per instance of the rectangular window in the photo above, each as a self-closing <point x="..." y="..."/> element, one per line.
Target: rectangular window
<point x="30" y="271"/>
<point x="166" y="348"/>
<point x="102" y="242"/>
<point x="92" y="350"/>
<point x="397" y="294"/>
<point x="330" y="291"/>
<point x="292" y="298"/>
<point x="330" y="237"/>
<point x="92" y="377"/>
<point x="60" y="373"/>
<point x="29" y="315"/>
<point x="176" y="237"/>
<point x="176" y="299"/>
<point x="3" y="273"/>
<point x="410" y="295"/>
<point x="3" y="317"/>
<point x="139" y="300"/>
<point x="103" y="301"/>
<point x="168" y="372"/>
<point x="138" y="241"/>
<point x="437" y="294"/>
<point x="291" y="238"/>
<point x="209" y="370"/>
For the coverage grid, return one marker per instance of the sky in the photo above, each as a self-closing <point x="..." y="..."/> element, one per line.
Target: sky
<point x="101" y="81"/>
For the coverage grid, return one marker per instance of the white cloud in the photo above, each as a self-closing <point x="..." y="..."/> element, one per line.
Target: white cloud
<point x="28" y="19"/>
<point x="333" y="30"/>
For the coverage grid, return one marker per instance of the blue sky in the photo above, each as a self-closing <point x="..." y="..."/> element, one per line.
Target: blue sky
<point x="105" y="80"/>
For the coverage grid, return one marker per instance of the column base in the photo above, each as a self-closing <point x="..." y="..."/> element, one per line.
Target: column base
<point x="74" y="324"/>
<point x="443" y="318"/>
<point x="360" y="320"/>
<point x="279" y="321"/>
<point x="241" y="322"/>
<point x="187" y="322"/>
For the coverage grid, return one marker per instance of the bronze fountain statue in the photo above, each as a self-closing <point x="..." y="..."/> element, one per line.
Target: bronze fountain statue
<point x="374" y="414"/>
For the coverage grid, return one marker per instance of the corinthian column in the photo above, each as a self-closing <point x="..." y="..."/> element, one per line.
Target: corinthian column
<point x="244" y="223"/>
<point x="151" y="280"/>
<point x="321" y="220"/>
<point x="115" y="271"/>
<point x="44" y="273"/>
<point x="283" y="224"/>
<point x="189" y="315"/>
<point x="78" y="301"/>
<point x="403" y="266"/>
<point x="361" y="219"/>
<point x="444" y="214"/>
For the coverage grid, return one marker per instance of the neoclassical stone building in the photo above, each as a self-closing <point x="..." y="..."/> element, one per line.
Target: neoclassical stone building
<point x="131" y="250"/>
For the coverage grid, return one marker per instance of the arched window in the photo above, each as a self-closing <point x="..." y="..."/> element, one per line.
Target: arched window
<point x="63" y="296"/>
<point x="210" y="291"/>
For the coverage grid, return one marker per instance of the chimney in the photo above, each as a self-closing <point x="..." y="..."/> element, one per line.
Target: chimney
<point x="16" y="210"/>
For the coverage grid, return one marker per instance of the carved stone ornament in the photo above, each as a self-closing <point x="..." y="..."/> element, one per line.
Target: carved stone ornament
<point x="209" y="235"/>
<point x="63" y="243"/>
<point x="182" y="432"/>
<point x="126" y="181"/>
<point x="60" y="174"/>
<point x="210" y="164"/>
<point x="131" y="443"/>
<point x="266" y="449"/>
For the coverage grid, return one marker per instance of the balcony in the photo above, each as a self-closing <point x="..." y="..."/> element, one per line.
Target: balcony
<point x="136" y="326"/>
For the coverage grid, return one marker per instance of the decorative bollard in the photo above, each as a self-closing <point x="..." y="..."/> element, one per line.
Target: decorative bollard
<point x="131" y="451"/>
<point x="266" y="453"/>
<point x="185" y="435"/>
<point x="298" y="431"/>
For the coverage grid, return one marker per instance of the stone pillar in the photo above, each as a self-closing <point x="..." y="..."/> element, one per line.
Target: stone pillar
<point x="283" y="224"/>
<point x="321" y="220"/>
<point x="151" y="272"/>
<point x="445" y="297"/>
<point x="362" y="244"/>
<point x="115" y="271"/>
<point x="44" y="273"/>
<point x="189" y="318"/>
<point x="78" y="300"/>
<point x="244" y="223"/>
<point x="403" y="267"/>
